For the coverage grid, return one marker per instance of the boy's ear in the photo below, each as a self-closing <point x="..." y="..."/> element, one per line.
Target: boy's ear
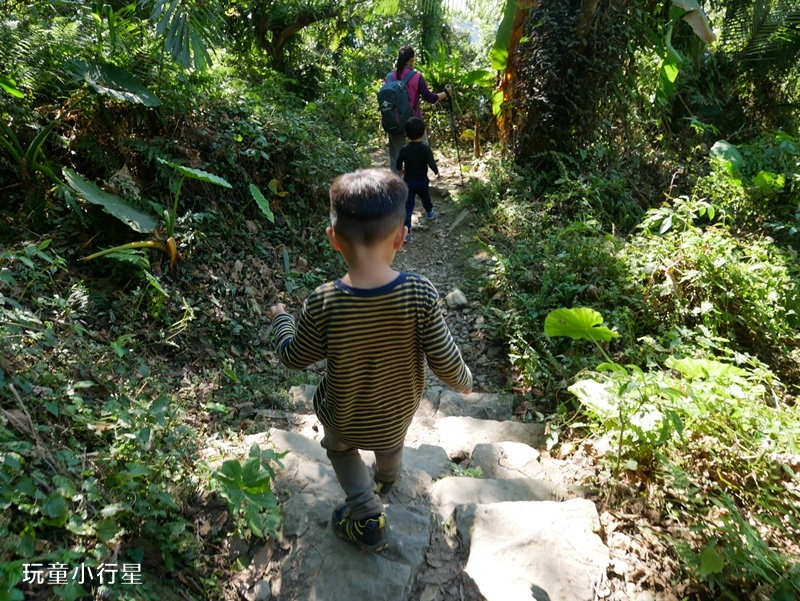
<point x="399" y="237"/>
<point x="335" y="243"/>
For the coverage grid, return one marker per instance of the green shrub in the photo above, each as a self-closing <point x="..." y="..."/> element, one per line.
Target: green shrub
<point x="545" y="261"/>
<point x="98" y="454"/>
<point x="745" y="290"/>
<point x="247" y="488"/>
<point x="720" y="444"/>
<point x="762" y="191"/>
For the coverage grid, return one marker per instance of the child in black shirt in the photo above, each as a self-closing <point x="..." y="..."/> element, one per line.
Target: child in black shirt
<point x="413" y="162"/>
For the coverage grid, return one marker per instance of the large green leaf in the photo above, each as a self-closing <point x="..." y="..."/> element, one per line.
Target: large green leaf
<point x="9" y="86"/>
<point x="481" y="77"/>
<point x="706" y="369"/>
<point x="666" y="78"/>
<point x="499" y="52"/>
<point x="197" y="174"/>
<point x="262" y="203"/>
<point x="724" y="150"/>
<point x="497" y="102"/>
<point x="763" y="32"/>
<point x="107" y="529"/>
<point x="55" y="508"/>
<point x="578" y="323"/>
<point x="112" y="81"/>
<point x="696" y="19"/>
<point x="254" y="479"/>
<point x="229" y="482"/>
<point x="113" y="204"/>
<point x="711" y="560"/>
<point x="189" y="29"/>
<point x="254" y="520"/>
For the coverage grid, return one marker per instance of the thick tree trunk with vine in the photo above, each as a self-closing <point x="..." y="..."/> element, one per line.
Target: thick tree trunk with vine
<point x="575" y="52"/>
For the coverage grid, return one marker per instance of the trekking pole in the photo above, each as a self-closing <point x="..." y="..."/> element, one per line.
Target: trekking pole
<point x="455" y="135"/>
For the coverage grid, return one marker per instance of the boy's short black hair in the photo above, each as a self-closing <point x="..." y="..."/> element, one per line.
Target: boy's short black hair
<point x="415" y="128"/>
<point x="367" y="205"/>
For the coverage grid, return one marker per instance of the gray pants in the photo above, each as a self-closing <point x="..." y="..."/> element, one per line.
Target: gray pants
<point x="353" y="474"/>
<point x="395" y="144"/>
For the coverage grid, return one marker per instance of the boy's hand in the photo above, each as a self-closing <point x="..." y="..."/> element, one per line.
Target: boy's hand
<point x="276" y="310"/>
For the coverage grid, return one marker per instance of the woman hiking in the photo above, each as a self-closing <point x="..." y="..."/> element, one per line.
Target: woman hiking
<point x="417" y="88"/>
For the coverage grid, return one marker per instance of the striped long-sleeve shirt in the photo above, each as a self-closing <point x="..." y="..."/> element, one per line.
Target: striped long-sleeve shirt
<point x="376" y="342"/>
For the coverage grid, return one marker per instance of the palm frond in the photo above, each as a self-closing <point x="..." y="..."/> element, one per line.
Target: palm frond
<point x="763" y="32"/>
<point x="189" y="28"/>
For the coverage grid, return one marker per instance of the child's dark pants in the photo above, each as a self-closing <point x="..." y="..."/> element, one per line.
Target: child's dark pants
<point x="416" y="187"/>
<point x="353" y="475"/>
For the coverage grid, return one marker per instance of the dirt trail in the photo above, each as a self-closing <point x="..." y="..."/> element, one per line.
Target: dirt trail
<point x="443" y="250"/>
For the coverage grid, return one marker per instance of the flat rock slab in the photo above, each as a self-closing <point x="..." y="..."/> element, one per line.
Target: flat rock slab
<point x="302" y="397"/>
<point x="423" y="430"/>
<point x="322" y="566"/>
<point x="448" y="493"/>
<point x="459" y="435"/>
<point x="476" y="404"/>
<point x="306" y="468"/>
<point x="506" y="460"/>
<point x="421" y="466"/>
<point x="428" y="458"/>
<point x="539" y="550"/>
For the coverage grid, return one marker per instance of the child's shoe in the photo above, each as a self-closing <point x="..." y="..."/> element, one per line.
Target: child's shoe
<point x="408" y="237"/>
<point x="431" y="214"/>
<point x="383" y="488"/>
<point x="369" y="533"/>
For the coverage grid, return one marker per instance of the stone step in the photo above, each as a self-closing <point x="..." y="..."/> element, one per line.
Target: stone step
<point x="453" y="421"/>
<point x="480" y="405"/>
<point x="518" y="547"/>
<point x="459" y="435"/>
<point x="427" y="476"/>
<point x="321" y="566"/>
<point x="509" y="459"/>
<point x="518" y="543"/>
<point x="541" y="550"/>
<point x="448" y="493"/>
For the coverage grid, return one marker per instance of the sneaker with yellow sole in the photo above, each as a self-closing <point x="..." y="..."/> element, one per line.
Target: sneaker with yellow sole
<point x="383" y="488"/>
<point x="369" y="533"/>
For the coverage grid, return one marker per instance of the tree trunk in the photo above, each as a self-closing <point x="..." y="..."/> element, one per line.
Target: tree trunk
<point x="273" y="37"/>
<point x="432" y="23"/>
<point x="508" y="84"/>
<point x="567" y="70"/>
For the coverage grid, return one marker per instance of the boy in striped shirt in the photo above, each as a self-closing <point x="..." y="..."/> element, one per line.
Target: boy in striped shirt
<point x="376" y="327"/>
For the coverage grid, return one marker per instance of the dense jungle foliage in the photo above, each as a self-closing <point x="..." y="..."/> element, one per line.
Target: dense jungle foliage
<point x="164" y="170"/>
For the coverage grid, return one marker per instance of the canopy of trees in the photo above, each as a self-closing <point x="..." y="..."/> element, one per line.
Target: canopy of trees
<point x="639" y="157"/>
